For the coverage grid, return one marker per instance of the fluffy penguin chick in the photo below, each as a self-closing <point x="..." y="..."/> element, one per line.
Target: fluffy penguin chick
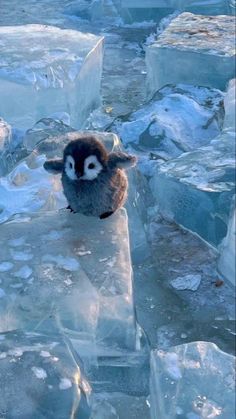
<point x="94" y="181"/>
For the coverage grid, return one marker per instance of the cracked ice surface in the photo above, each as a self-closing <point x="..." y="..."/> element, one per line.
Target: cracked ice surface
<point x="37" y="367"/>
<point x="81" y="279"/>
<point x="44" y="69"/>
<point x="202" y="49"/>
<point x="194" y="380"/>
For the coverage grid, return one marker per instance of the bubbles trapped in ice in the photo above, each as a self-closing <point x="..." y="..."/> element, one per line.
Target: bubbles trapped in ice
<point x="6" y="266"/>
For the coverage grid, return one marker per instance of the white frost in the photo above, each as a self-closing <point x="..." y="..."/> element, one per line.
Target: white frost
<point x="2" y="293"/>
<point x="45" y="354"/>
<point x="39" y="372"/>
<point x="15" y="352"/>
<point x="24" y="272"/>
<point x="65" y="383"/>
<point x="187" y="282"/>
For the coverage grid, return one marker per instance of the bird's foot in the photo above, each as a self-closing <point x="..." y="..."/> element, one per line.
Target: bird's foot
<point x="69" y="208"/>
<point x="106" y="214"/>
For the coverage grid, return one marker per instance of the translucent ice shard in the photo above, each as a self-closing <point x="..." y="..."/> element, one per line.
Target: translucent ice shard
<point x="179" y="118"/>
<point x="196" y="189"/>
<point x="202" y="49"/>
<point x="229" y="105"/>
<point x="195" y="380"/>
<point x="44" y="69"/>
<point x="226" y="263"/>
<point x="73" y="269"/>
<point x="5" y="134"/>
<point x="41" y="378"/>
<point x="5" y="137"/>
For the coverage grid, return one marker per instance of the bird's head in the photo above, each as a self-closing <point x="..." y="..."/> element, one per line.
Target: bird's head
<point x="84" y="158"/>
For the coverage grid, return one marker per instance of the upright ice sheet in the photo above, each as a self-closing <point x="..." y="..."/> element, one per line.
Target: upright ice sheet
<point x="44" y="69"/>
<point x="195" y="380"/>
<point x="193" y="49"/>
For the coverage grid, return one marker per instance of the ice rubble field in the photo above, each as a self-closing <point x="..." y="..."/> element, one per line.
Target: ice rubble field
<point x="134" y="316"/>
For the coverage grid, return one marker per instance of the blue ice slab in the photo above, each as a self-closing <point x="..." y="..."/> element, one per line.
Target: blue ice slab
<point x="193" y="381"/>
<point x="44" y="70"/>
<point x="40" y="378"/>
<point x="196" y="189"/>
<point x="202" y="49"/>
<point x="71" y="269"/>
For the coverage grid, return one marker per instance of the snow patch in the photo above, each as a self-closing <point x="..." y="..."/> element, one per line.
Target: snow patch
<point x="187" y="282"/>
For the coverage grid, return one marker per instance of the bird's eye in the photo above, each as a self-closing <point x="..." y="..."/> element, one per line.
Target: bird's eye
<point x="91" y="166"/>
<point x="71" y="165"/>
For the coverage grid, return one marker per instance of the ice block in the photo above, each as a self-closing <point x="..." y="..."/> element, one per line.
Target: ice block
<point x="193" y="49"/>
<point x="44" y="69"/>
<point x="196" y="189"/>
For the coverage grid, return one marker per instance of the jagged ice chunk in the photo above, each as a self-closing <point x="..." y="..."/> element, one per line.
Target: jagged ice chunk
<point x="179" y="118"/>
<point x="44" y="69"/>
<point x="196" y="189"/>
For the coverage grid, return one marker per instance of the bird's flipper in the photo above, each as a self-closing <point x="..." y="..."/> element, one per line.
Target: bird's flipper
<point x="121" y="160"/>
<point x="53" y="166"/>
<point x="106" y="215"/>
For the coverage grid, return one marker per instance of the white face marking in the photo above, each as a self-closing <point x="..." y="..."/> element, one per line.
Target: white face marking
<point x="92" y="168"/>
<point x="70" y="168"/>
